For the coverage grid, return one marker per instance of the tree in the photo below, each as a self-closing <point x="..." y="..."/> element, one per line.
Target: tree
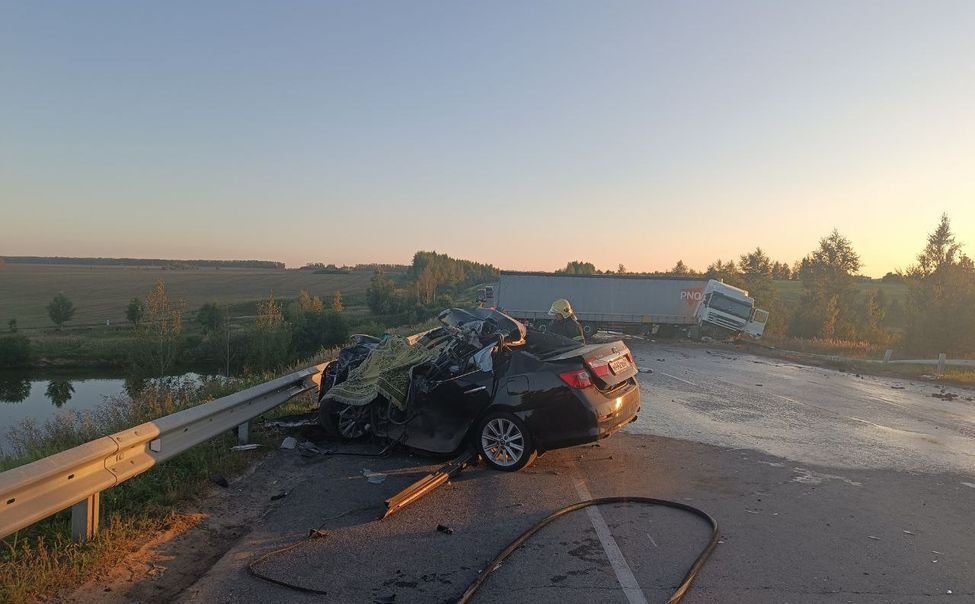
<point x="308" y="302"/>
<point x="680" y="270"/>
<point x="337" y="305"/>
<point x="941" y="295"/>
<point x="14" y="351"/>
<point x="60" y="310"/>
<point x="159" y="330"/>
<point x="269" y="314"/>
<point x="828" y="303"/>
<point x="621" y="270"/>
<point x="380" y="292"/>
<point x="210" y="317"/>
<point x="133" y="312"/>
<point x="941" y="251"/>
<point x="578" y="267"/>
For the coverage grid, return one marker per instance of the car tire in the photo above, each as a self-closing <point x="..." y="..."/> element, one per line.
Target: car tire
<point x="329" y="413"/>
<point x="498" y="439"/>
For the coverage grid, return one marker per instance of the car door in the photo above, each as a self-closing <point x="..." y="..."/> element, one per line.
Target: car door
<point x="446" y="413"/>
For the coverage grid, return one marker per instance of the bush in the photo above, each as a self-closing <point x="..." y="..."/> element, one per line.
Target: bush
<point x="14" y="351"/>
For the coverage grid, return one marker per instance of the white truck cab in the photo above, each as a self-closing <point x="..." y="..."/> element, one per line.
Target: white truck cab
<point x="730" y="308"/>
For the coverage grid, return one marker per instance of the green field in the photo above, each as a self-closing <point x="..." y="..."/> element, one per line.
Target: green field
<point x="102" y="293"/>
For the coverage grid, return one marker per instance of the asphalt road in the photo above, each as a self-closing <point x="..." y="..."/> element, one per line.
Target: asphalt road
<point x="828" y="488"/>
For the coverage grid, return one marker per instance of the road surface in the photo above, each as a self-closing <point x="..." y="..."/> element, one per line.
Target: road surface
<point x="829" y="488"/>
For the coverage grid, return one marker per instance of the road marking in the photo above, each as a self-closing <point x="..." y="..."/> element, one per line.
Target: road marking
<point x="969" y="484"/>
<point x="674" y="377"/>
<point x="631" y="589"/>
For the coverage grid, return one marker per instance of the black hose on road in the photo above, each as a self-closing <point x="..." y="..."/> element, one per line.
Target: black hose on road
<point x="677" y="596"/>
<point x="472" y="589"/>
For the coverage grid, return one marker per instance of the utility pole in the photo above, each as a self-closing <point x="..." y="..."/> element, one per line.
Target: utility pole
<point x="227" y="327"/>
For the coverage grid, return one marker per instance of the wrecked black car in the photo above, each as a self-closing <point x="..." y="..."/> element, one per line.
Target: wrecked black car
<point x="480" y="380"/>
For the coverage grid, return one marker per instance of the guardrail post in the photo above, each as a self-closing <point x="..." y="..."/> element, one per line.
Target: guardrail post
<point x="888" y="354"/>
<point x="84" y="518"/>
<point x="941" y="364"/>
<point x="243" y="433"/>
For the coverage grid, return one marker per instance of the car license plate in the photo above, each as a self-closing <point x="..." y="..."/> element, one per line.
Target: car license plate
<point x="619" y="365"/>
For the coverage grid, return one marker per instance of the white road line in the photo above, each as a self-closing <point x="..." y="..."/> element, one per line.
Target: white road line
<point x="674" y="377"/>
<point x="969" y="484"/>
<point x="631" y="589"/>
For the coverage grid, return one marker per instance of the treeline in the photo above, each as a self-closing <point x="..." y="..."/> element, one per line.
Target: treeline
<point x="147" y="262"/>
<point x="433" y="281"/>
<point x="835" y="303"/>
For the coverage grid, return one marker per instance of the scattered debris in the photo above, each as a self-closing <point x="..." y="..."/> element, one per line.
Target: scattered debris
<point x="945" y="396"/>
<point x="897" y="387"/>
<point x="445" y="529"/>
<point x="758" y="384"/>
<point x="908" y="533"/>
<point x="280" y="495"/>
<point x="661" y="360"/>
<point x="872" y="537"/>
<point x="220" y="481"/>
<point x="308" y="449"/>
<point x="936" y="553"/>
<point x="751" y="511"/>
<point x="293" y="421"/>
<point x="390" y="599"/>
<point x="249" y="447"/>
<point x="373" y="477"/>
<point x="646" y="371"/>
<point x="289" y="442"/>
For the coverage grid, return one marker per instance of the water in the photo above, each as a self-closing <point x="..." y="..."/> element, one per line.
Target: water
<point x="38" y="395"/>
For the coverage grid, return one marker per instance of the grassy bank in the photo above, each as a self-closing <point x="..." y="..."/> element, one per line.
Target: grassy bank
<point x="854" y="357"/>
<point x="41" y="560"/>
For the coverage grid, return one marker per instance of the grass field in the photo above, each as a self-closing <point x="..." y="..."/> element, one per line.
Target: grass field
<point x="102" y="293"/>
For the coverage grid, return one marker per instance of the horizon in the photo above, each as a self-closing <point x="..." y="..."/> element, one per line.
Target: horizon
<point x="522" y="136"/>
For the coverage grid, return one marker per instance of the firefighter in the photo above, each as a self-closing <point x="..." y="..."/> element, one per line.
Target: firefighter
<point x="564" y="321"/>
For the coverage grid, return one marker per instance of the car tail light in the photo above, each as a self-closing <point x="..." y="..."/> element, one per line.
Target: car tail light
<point x="599" y="367"/>
<point x="578" y="378"/>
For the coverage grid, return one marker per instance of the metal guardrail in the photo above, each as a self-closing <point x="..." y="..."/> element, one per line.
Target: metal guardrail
<point x="76" y="477"/>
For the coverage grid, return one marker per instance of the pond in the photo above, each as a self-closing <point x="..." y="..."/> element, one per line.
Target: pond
<point x="40" y="394"/>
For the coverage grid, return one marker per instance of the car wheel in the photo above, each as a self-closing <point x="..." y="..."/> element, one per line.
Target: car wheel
<point x="505" y="442"/>
<point x="341" y="421"/>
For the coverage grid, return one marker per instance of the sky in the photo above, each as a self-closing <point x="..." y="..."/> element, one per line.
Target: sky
<point x="524" y="134"/>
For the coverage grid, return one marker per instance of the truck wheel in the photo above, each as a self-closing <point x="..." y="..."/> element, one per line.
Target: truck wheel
<point x="505" y="443"/>
<point x="589" y="330"/>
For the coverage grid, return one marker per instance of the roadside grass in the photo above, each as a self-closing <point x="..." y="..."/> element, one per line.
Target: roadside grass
<point x="42" y="559"/>
<point x="860" y="349"/>
<point x="827" y="354"/>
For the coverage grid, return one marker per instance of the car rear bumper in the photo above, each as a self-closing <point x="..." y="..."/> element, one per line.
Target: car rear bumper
<point x="596" y="415"/>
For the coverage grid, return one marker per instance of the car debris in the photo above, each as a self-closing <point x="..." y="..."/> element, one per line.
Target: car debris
<point x="482" y="379"/>
<point x="445" y="529"/>
<point x="427" y="484"/>
<point x="219" y="480"/>
<point x="293" y="421"/>
<point x="373" y="477"/>
<point x="289" y="442"/>
<point x="249" y="447"/>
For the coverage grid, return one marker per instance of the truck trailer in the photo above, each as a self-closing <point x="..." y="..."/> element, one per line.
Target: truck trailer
<point x="631" y="303"/>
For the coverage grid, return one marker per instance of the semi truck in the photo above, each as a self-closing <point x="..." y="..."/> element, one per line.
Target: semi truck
<point x="666" y="306"/>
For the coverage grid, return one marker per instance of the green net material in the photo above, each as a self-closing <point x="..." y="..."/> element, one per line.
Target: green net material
<point x="385" y="371"/>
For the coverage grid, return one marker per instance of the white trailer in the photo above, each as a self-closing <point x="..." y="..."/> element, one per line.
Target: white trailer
<point x="630" y="303"/>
